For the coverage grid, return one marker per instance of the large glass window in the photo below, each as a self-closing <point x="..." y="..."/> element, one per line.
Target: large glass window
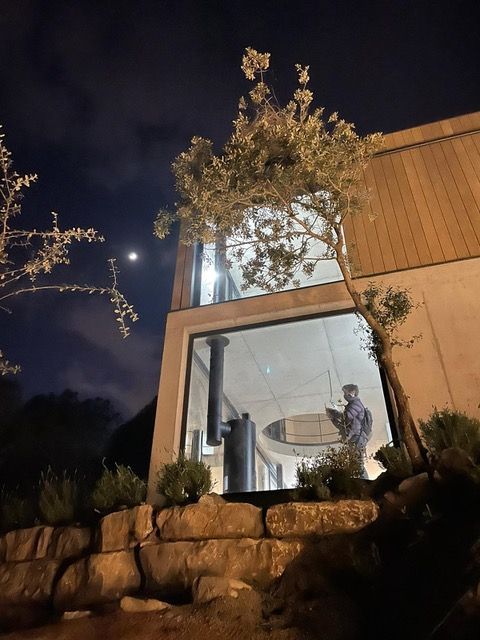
<point x="283" y="378"/>
<point x="218" y="277"/>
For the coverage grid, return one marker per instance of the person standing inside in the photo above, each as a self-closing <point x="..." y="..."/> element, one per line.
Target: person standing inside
<point x="355" y="422"/>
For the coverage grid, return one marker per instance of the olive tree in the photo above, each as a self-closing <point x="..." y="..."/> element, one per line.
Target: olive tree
<point x="276" y="197"/>
<point x="28" y="256"/>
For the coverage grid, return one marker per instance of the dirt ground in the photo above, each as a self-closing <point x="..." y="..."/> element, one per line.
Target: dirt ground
<point x="223" y="619"/>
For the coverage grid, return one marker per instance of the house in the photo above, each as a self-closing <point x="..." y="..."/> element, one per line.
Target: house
<point x="275" y="361"/>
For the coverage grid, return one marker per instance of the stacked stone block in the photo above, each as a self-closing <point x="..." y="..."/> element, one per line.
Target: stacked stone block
<point x="166" y="552"/>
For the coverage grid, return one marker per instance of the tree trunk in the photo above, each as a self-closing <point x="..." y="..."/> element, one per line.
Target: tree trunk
<point x="407" y="427"/>
<point x="405" y="419"/>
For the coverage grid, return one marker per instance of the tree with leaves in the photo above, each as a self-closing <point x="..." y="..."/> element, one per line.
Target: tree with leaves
<point x="28" y="256"/>
<point x="276" y="198"/>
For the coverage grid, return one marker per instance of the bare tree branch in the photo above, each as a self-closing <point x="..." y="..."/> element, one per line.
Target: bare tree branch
<point x="29" y="254"/>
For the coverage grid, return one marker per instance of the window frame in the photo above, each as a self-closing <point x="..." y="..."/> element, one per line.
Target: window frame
<point x="387" y="393"/>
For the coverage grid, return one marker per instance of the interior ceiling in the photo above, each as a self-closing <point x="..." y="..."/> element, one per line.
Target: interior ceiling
<point x="296" y="368"/>
<point x="325" y="271"/>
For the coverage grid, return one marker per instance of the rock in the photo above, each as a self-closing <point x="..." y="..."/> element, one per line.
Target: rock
<point x="210" y="519"/>
<point x="298" y="519"/>
<point x="172" y="567"/>
<point x="26" y="583"/>
<point x="314" y="571"/>
<point x="75" y="615"/>
<point x="455" y="464"/>
<point x="415" y="486"/>
<point x="323" y="587"/>
<point x="27" y="544"/>
<point x="15" y="617"/>
<point x="462" y="622"/>
<point x="125" y="529"/>
<point x="208" y="588"/>
<point x="211" y="498"/>
<point x="44" y="542"/>
<point x="141" y="605"/>
<point x="69" y="542"/>
<point x="411" y="493"/>
<point x="97" y="579"/>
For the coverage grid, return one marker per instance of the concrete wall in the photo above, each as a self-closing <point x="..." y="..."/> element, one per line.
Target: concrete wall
<point x="442" y="369"/>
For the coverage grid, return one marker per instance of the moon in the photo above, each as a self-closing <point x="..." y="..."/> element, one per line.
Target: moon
<point x="132" y="256"/>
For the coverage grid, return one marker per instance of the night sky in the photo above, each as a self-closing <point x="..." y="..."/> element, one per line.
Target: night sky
<point x="98" y="97"/>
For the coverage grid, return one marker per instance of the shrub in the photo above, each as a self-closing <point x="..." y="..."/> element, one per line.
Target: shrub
<point x="311" y="481"/>
<point x="395" y="460"/>
<point x="446" y="428"/>
<point x="116" y="488"/>
<point x="58" y="498"/>
<point x="184" y="481"/>
<point x="331" y="472"/>
<point x="16" y="511"/>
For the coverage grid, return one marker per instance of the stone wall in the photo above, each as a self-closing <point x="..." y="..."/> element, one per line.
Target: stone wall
<point x="140" y="551"/>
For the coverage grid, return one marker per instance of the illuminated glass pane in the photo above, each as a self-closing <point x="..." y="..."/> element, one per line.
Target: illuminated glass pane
<point x="285" y="376"/>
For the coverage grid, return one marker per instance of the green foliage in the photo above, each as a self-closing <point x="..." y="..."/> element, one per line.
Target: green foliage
<point x="395" y="460"/>
<point x="447" y="428"/>
<point x="333" y="472"/>
<point x="16" y="511"/>
<point x="58" y="498"/>
<point x="117" y="488"/>
<point x="184" y="481"/>
<point x="280" y="188"/>
<point x="275" y="198"/>
<point x="390" y="306"/>
<point x="311" y="481"/>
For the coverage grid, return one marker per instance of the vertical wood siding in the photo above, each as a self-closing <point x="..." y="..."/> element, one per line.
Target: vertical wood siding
<point x="424" y="197"/>
<point x="182" y="284"/>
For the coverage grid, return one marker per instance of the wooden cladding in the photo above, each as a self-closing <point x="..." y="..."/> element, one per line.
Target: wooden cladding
<point x="424" y="200"/>
<point x="182" y="284"/>
<point x="432" y="131"/>
<point x="424" y="197"/>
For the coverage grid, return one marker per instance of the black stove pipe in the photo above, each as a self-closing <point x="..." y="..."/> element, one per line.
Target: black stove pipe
<point x="239" y="434"/>
<point x="239" y="472"/>
<point x="216" y="428"/>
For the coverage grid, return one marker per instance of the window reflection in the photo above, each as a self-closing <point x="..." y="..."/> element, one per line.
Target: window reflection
<point x="220" y="276"/>
<point x="286" y="378"/>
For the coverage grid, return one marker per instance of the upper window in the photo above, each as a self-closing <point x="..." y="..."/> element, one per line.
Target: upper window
<point x="271" y="251"/>
<point x="218" y="275"/>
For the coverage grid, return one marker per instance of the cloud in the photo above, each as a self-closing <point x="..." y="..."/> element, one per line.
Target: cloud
<point x="125" y="371"/>
<point x="124" y="88"/>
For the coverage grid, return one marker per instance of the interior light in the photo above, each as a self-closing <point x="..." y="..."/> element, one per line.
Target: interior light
<point x="209" y="275"/>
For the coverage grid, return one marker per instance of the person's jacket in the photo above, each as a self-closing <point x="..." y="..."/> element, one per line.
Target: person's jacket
<point x="354" y="414"/>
